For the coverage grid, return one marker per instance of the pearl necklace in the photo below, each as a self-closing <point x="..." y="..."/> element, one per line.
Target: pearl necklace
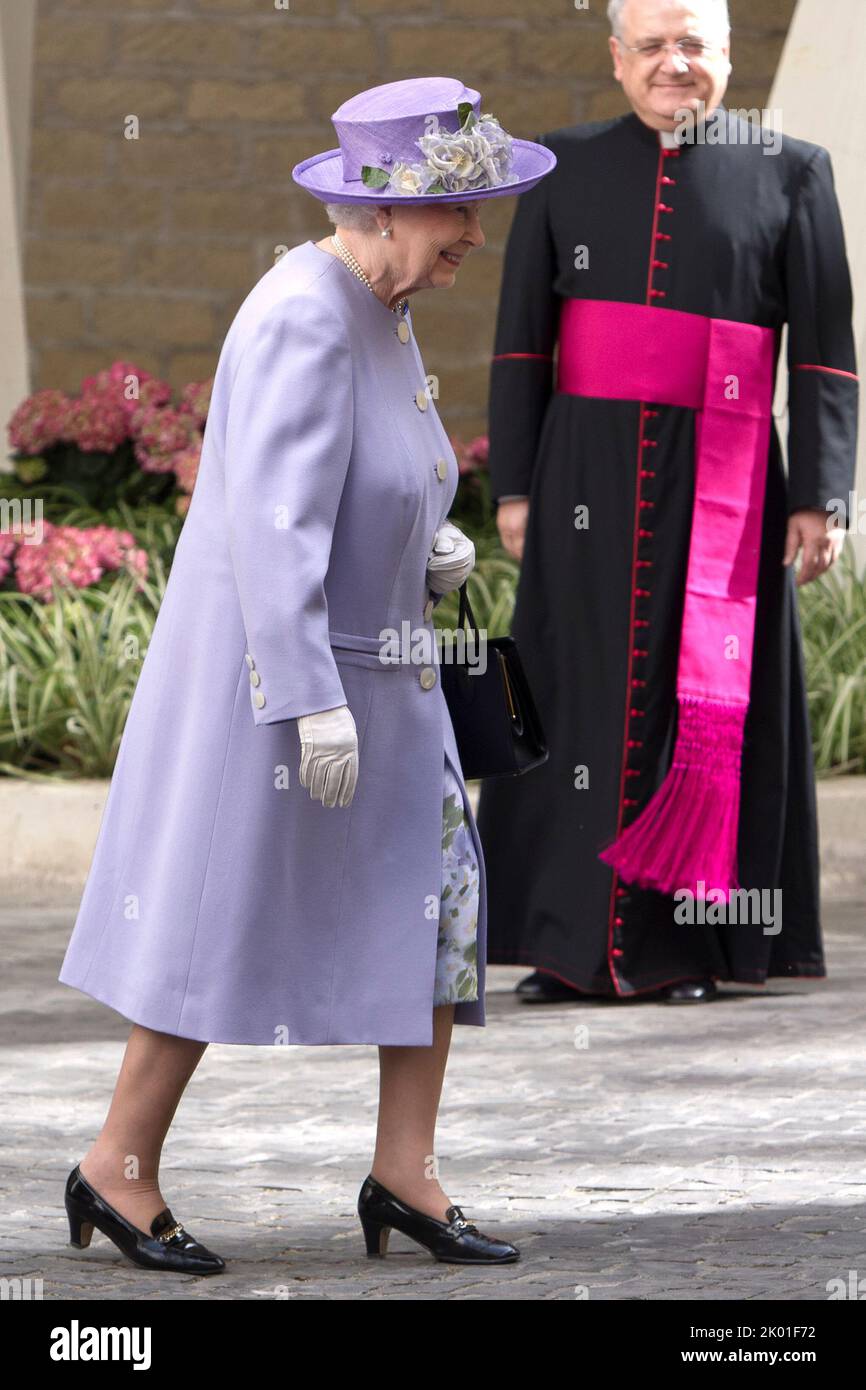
<point x="348" y="259"/>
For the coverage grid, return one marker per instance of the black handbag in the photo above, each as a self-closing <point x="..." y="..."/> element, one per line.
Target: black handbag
<point x="496" y="723"/>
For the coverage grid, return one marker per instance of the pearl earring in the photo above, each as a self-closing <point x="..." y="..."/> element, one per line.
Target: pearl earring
<point x="386" y="231"/>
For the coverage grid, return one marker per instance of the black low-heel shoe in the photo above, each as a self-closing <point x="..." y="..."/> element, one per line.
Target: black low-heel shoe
<point x="168" y="1246"/>
<point x="454" y="1241"/>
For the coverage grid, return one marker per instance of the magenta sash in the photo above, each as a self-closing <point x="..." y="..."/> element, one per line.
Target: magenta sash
<point x="686" y="836"/>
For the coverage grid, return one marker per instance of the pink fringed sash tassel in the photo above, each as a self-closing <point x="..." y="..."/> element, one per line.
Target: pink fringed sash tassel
<point x="686" y="836"/>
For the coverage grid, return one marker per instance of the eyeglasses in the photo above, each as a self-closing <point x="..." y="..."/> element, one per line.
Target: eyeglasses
<point x="687" y="48"/>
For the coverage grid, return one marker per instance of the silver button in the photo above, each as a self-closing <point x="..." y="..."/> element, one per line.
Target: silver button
<point x="427" y="677"/>
<point x="249" y="660"/>
<point x="441" y="470"/>
<point x="403" y="331"/>
<point x="421" y="400"/>
<point x="428" y="610"/>
<point x="258" y="699"/>
<point x="255" y="678"/>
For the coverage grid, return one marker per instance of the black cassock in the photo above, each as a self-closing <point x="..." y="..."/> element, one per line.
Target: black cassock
<point x="732" y="232"/>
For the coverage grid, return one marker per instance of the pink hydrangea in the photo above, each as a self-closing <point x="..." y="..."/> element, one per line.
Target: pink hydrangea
<point x="39" y="421"/>
<point x="128" y="386"/>
<point x="97" y="423"/>
<point x="160" y="433"/>
<point x="185" y="465"/>
<point x="104" y="415"/>
<point x="77" y="556"/>
<point x="195" y="398"/>
<point x="479" y="448"/>
<point x="472" y="457"/>
<point x="8" y="542"/>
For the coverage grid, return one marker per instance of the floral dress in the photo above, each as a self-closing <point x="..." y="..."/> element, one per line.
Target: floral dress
<point x="456" y="955"/>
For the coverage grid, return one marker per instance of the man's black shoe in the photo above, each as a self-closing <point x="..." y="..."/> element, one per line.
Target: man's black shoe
<point x="689" y="992"/>
<point x="541" y="988"/>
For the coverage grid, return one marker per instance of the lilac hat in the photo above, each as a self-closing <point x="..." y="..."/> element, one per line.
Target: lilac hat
<point x="422" y="140"/>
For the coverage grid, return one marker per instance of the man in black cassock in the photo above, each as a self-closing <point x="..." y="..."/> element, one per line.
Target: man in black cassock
<point x="707" y="214"/>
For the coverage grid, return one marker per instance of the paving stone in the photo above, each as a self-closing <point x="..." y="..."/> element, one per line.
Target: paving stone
<point x="710" y="1152"/>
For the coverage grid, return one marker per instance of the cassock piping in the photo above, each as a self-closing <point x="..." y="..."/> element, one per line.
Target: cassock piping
<point x="641" y="533"/>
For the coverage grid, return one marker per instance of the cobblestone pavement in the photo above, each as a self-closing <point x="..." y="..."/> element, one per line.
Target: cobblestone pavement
<point x="632" y="1150"/>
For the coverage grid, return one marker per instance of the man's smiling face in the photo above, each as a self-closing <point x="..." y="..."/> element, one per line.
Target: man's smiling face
<point x="660" y="84"/>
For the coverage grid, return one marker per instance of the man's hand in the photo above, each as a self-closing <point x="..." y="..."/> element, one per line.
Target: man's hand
<point x="511" y="519"/>
<point x="820" y="538"/>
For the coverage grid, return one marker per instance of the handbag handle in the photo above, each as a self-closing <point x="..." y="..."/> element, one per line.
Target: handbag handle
<point x="511" y="700"/>
<point x="466" y="610"/>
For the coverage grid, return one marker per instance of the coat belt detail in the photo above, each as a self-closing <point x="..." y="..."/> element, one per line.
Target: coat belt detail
<point x="388" y="653"/>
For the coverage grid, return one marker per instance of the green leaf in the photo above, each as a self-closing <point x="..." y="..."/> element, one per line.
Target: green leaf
<point x="373" y="177"/>
<point x="30" y="470"/>
<point x="464" y="111"/>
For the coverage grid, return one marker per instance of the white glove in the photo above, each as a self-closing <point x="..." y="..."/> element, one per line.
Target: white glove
<point x="329" y="755"/>
<point x="451" y="560"/>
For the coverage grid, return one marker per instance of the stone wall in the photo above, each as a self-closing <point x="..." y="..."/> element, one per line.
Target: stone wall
<point x="142" y="249"/>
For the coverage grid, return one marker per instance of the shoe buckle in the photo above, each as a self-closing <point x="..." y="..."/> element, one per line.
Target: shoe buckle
<point x="166" y="1236"/>
<point x="459" y="1222"/>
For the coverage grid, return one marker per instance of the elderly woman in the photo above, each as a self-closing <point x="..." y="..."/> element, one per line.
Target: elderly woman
<point x="229" y="900"/>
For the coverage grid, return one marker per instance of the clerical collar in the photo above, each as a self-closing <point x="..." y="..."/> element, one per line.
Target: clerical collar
<point x="669" y="139"/>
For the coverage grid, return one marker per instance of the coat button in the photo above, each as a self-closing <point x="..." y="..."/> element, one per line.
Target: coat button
<point x="258" y="699"/>
<point x="403" y="331"/>
<point x="441" y="470"/>
<point x="427" y="677"/>
<point x="255" y="678"/>
<point x="249" y="660"/>
<point x="428" y="610"/>
<point x="421" y="400"/>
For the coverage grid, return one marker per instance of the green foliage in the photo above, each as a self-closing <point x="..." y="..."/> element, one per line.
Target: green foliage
<point x="101" y="479"/>
<point x="833" y="612"/>
<point x="472" y="509"/>
<point x="68" y="670"/>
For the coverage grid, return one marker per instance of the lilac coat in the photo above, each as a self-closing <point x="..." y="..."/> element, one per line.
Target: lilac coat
<point x="222" y="902"/>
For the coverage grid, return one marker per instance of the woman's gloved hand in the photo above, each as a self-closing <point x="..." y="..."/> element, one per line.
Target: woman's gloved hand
<point x="329" y="755"/>
<point x="451" y="560"/>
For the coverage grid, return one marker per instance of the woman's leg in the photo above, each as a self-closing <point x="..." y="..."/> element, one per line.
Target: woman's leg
<point x="123" y="1163"/>
<point x="410" y="1084"/>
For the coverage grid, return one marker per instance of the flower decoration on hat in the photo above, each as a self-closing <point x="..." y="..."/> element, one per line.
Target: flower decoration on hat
<point x="477" y="155"/>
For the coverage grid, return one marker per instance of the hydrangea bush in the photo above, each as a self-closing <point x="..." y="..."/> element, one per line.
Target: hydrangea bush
<point x="122" y="438"/>
<point x="72" y="555"/>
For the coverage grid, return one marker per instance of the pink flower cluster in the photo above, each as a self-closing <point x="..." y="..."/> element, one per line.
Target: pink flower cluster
<point x="73" y="555"/>
<point x="118" y="404"/>
<point x="471" y="457"/>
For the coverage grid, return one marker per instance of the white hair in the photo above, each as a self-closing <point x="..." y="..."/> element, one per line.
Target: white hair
<point x="355" y="217"/>
<point x="616" y="7"/>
